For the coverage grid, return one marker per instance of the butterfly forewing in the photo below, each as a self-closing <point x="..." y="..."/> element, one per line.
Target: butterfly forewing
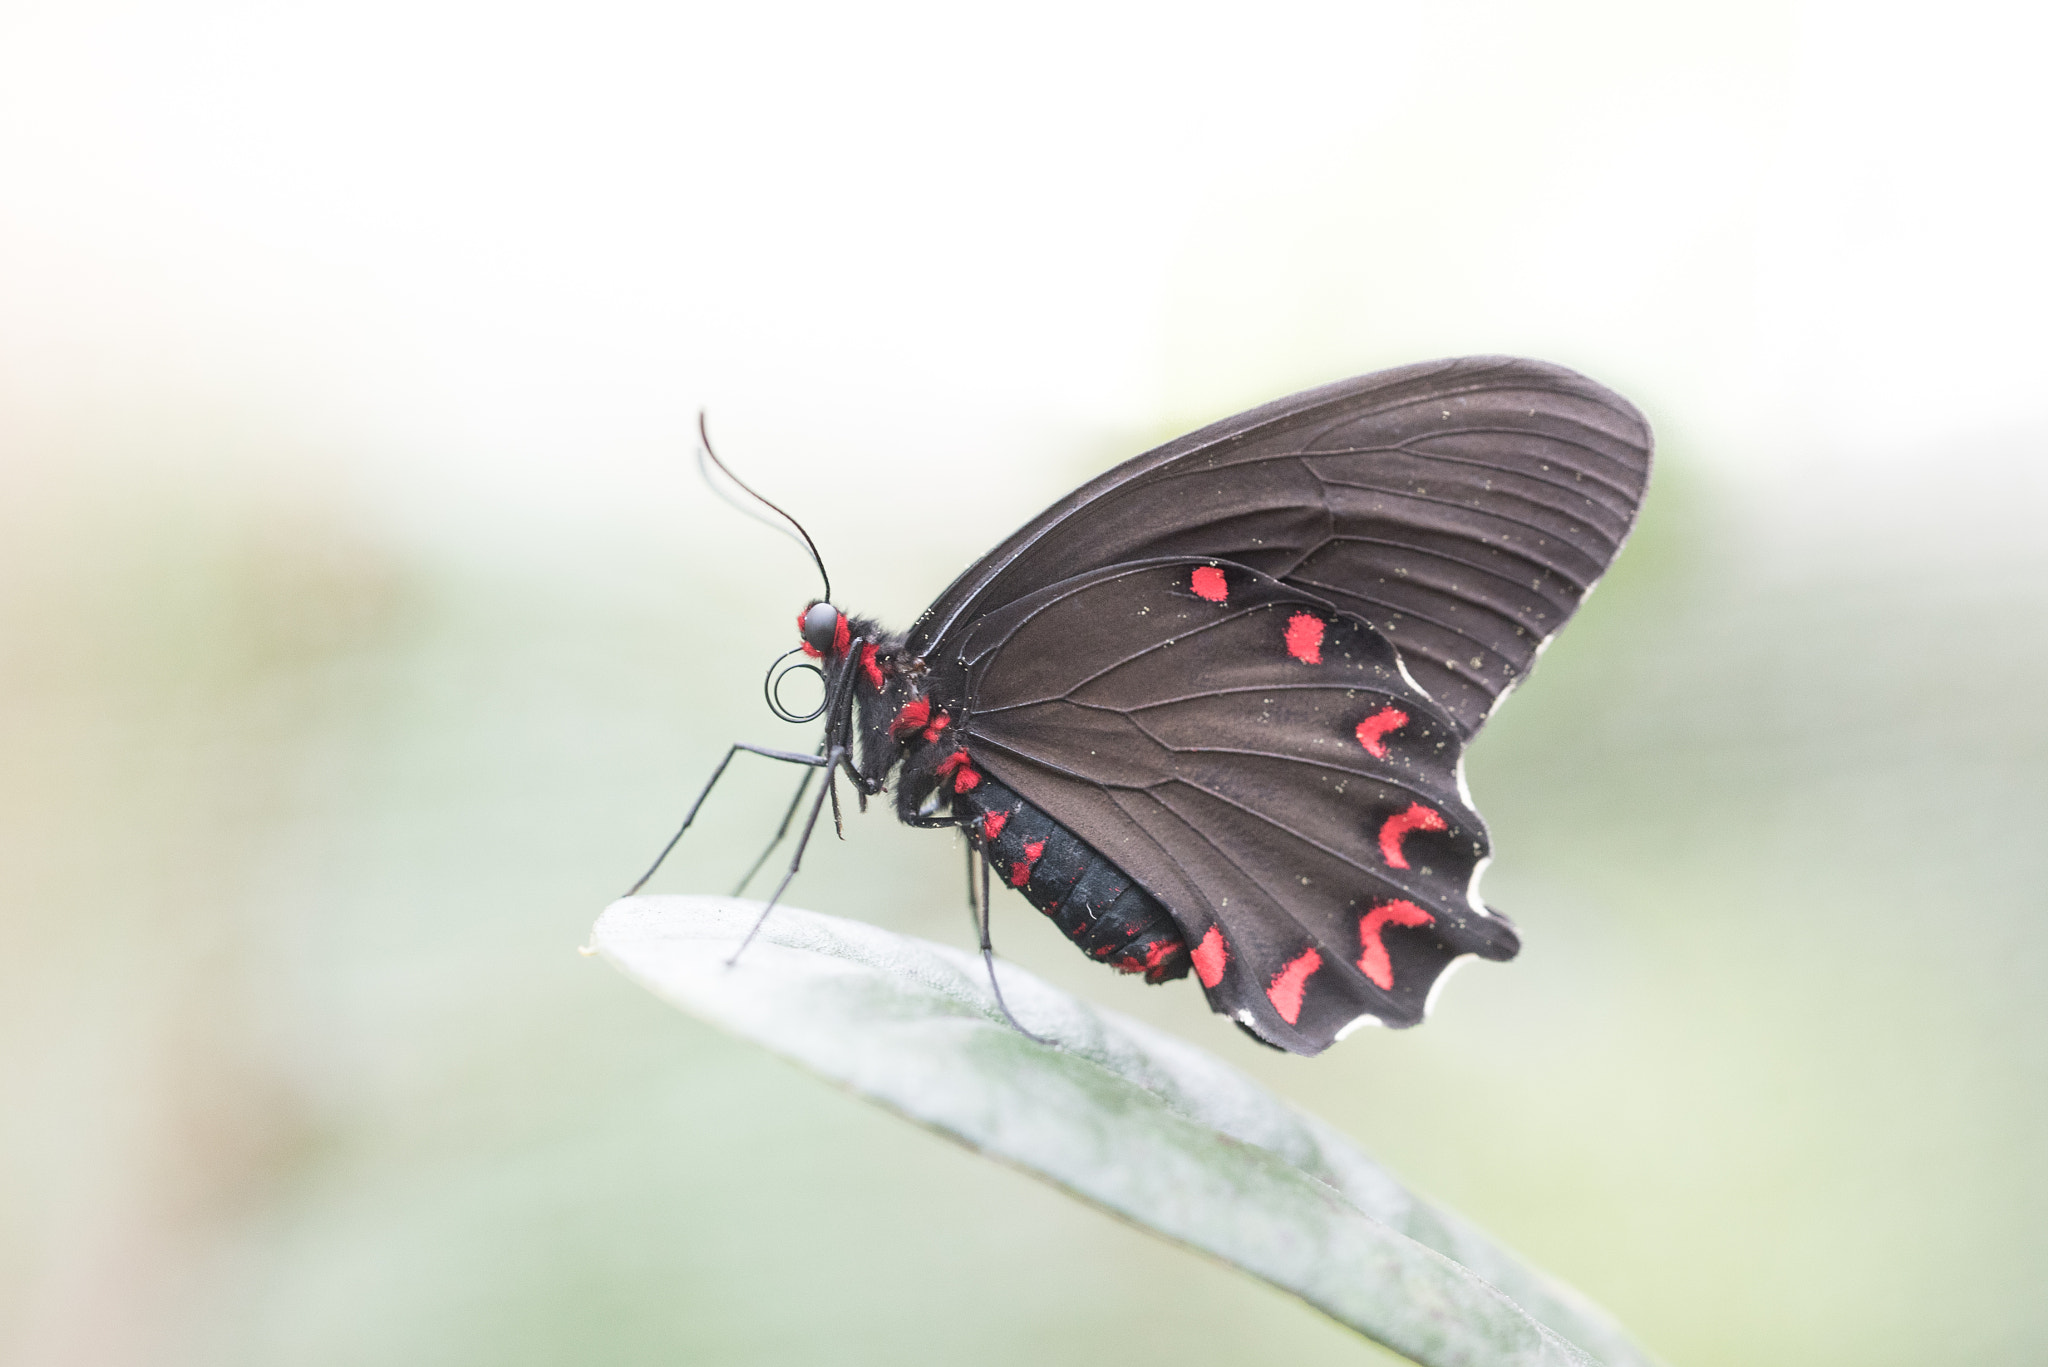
<point x="1259" y="761"/>
<point x="1461" y="508"/>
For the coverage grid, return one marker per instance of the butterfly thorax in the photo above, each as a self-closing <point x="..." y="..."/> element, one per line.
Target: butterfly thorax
<point x="895" y="727"/>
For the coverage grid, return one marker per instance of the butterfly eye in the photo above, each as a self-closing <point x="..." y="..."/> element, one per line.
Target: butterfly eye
<point x="821" y="627"/>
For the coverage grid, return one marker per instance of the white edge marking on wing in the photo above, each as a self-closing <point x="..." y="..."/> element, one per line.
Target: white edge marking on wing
<point x="1401" y="664"/>
<point x="1367" y="1019"/>
<point x="1436" y="988"/>
<point x="1472" y="888"/>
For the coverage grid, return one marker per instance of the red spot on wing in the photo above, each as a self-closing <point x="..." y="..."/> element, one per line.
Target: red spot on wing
<point x="992" y="824"/>
<point x="1020" y="872"/>
<point x="1374" y="962"/>
<point x="869" y="665"/>
<point x="1305" y="638"/>
<point x="1372" y="732"/>
<point x="1290" y="982"/>
<point x="1208" y="583"/>
<point x="1210" y="957"/>
<point x="1397" y="826"/>
<point x="911" y="718"/>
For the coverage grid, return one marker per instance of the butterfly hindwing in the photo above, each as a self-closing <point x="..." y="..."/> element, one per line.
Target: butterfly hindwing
<point x="1462" y="508"/>
<point x="1259" y="760"/>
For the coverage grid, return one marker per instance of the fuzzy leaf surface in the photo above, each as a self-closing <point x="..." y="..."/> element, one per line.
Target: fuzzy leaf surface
<point x="1131" y="1120"/>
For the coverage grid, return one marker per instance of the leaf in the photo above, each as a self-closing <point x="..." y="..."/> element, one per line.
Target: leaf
<point x="1141" y="1124"/>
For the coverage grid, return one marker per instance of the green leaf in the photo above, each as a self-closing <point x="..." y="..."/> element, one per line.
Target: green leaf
<point x="1134" y="1121"/>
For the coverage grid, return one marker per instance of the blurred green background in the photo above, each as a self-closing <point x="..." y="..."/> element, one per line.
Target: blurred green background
<point x="366" y="629"/>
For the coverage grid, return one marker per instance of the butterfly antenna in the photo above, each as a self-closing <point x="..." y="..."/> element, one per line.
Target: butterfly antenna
<point x="749" y="510"/>
<point x="704" y="433"/>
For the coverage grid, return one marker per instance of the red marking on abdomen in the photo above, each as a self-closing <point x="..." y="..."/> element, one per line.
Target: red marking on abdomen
<point x="1374" y="962"/>
<point x="1208" y="583"/>
<point x="1210" y="956"/>
<point x="962" y="769"/>
<point x="1290" y="982"/>
<point x="911" y="719"/>
<point x="992" y="824"/>
<point x="1020" y="872"/>
<point x="1156" y="953"/>
<point x="869" y="665"/>
<point x="1305" y="638"/>
<point x="1373" y="730"/>
<point x="1416" y="818"/>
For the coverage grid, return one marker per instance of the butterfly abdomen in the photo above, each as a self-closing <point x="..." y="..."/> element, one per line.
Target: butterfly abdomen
<point x="1093" y="902"/>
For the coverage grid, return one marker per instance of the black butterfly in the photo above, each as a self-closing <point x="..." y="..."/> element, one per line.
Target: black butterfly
<point x="1209" y="710"/>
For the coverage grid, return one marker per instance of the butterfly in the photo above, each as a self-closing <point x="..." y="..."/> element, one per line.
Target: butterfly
<point x="1208" y="712"/>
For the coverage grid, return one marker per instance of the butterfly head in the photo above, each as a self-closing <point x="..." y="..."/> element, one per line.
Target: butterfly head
<point x="824" y="629"/>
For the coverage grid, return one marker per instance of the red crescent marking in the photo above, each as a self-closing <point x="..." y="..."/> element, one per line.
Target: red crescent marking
<point x="809" y="649"/>
<point x="1210" y="957"/>
<point x="1416" y="818"/>
<point x="1374" y="962"/>
<point x="1289" y="983"/>
<point x="1208" y="583"/>
<point x="1373" y="730"/>
<point x="1020" y="872"/>
<point x="868" y="664"/>
<point x="1305" y="638"/>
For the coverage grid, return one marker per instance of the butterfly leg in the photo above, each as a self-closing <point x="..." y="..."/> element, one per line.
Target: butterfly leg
<point x="988" y="950"/>
<point x="796" y="861"/>
<point x="815" y="761"/>
<point x="780" y="831"/>
<point x="973" y="908"/>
